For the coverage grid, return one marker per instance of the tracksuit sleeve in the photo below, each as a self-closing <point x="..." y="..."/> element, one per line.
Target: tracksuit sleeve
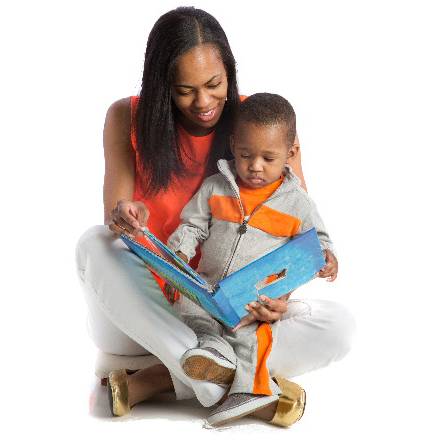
<point x="314" y="220"/>
<point x="194" y="226"/>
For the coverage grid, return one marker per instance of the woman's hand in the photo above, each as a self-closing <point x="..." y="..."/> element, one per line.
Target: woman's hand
<point x="128" y="217"/>
<point x="270" y="311"/>
<point x="330" y="270"/>
<point x="171" y="292"/>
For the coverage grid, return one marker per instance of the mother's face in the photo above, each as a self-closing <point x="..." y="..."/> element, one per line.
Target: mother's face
<point x="199" y="89"/>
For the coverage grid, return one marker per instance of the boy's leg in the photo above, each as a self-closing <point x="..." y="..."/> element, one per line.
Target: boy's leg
<point x="214" y="359"/>
<point x="252" y="388"/>
<point x="252" y="345"/>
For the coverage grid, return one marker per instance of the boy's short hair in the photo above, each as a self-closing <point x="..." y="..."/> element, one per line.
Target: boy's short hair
<point x="268" y="109"/>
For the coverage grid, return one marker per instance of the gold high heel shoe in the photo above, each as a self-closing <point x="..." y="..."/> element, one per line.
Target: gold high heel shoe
<point x="291" y="403"/>
<point x="118" y="393"/>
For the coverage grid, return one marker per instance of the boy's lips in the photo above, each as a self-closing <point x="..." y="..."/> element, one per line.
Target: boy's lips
<point x="255" y="180"/>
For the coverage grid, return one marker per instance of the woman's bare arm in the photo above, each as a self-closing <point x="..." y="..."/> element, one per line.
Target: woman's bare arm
<point x="121" y="213"/>
<point x="119" y="181"/>
<point x="296" y="164"/>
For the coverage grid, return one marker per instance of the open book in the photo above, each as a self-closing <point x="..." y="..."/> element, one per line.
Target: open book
<point x="293" y="264"/>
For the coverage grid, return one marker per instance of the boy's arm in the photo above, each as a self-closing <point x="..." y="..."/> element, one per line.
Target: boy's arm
<point x="194" y="226"/>
<point x="314" y="220"/>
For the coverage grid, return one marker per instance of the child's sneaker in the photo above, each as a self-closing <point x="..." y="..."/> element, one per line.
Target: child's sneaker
<point x="239" y="405"/>
<point x="208" y="364"/>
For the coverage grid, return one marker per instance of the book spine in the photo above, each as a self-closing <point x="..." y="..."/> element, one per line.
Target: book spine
<point x="231" y="317"/>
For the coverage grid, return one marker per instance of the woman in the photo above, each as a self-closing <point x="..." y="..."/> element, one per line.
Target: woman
<point x="158" y="150"/>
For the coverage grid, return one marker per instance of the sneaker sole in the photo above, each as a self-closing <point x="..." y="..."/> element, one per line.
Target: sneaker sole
<point x="203" y="368"/>
<point x="234" y="417"/>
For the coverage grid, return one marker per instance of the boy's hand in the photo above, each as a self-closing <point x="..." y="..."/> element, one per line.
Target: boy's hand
<point x="246" y="320"/>
<point x="270" y="311"/>
<point x="330" y="270"/>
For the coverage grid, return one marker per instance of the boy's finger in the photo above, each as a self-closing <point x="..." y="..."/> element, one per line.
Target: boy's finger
<point x="274" y="305"/>
<point x="261" y="313"/>
<point x="246" y="320"/>
<point x="333" y="276"/>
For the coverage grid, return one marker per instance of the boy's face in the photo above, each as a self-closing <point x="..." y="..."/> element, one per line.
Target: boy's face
<point x="260" y="152"/>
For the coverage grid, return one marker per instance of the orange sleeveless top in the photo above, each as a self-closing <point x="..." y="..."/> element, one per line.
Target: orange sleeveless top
<point x="165" y="208"/>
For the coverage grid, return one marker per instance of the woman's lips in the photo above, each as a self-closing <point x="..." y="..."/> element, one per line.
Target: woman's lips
<point x="207" y="116"/>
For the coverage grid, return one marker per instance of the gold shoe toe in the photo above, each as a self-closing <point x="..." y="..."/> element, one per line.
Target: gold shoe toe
<point x="291" y="403"/>
<point x="118" y="393"/>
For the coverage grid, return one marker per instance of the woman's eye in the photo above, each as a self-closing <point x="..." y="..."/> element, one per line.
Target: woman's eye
<point x="244" y="157"/>
<point x="184" y="93"/>
<point x="269" y="159"/>
<point x="213" y="86"/>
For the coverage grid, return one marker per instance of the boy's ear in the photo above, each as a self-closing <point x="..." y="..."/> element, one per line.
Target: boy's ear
<point x="231" y="138"/>
<point x="292" y="154"/>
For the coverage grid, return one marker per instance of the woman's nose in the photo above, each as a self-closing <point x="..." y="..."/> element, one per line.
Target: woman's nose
<point x="202" y="99"/>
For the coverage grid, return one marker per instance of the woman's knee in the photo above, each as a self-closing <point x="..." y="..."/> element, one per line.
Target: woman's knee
<point x="94" y="241"/>
<point x="341" y="329"/>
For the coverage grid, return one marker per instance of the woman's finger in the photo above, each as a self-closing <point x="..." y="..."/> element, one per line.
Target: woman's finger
<point x="143" y="214"/>
<point x="128" y="213"/>
<point x="124" y="228"/>
<point x="170" y="293"/>
<point x="117" y="229"/>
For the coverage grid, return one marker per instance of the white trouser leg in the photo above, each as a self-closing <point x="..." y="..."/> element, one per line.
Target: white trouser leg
<point x="312" y="334"/>
<point x="128" y="313"/>
<point x="116" y="283"/>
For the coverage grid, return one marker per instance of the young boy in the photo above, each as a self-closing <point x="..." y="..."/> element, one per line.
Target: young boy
<point x="253" y="206"/>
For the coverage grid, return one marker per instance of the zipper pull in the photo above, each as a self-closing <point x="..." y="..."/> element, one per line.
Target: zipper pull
<point x="243" y="228"/>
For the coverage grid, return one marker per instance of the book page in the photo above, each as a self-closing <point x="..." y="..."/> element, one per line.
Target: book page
<point x="158" y="247"/>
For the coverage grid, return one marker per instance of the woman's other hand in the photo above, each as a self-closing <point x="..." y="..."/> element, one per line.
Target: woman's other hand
<point x="129" y="217"/>
<point x="172" y="294"/>
<point x="269" y="311"/>
<point x="330" y="270"/>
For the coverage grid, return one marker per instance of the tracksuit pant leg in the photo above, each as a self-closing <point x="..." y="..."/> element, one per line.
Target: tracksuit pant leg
<point x="248" y="348"/>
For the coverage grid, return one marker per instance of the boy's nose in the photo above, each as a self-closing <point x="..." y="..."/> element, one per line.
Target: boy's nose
<point x="255" y="165"/>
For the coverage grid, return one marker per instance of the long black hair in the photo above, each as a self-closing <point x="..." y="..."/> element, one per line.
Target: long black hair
<point x="158" y="146"/>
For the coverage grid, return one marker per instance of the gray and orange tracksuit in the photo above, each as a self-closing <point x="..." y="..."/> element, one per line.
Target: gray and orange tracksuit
<point x="215" y="219"/>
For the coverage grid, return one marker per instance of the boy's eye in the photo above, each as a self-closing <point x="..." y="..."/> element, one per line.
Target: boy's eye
<point x="269" y="159"/>
<point x="244" y="156"/>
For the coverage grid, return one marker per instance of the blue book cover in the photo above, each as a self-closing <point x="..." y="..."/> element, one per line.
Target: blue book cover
<point x="293" y="264"/>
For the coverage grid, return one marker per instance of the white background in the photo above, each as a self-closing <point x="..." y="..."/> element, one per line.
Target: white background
<point x="359" y="77"/>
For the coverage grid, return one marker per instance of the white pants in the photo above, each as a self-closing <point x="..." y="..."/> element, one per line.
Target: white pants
<point x="129" y="315"/>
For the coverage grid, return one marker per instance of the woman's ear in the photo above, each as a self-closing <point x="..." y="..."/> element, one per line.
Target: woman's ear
<point x="292" y="154"/>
